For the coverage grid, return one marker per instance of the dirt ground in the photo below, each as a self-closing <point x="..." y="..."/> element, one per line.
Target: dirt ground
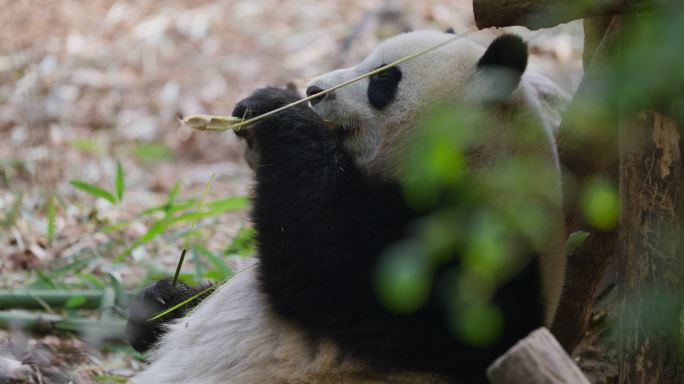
<point x="84" y="84"/>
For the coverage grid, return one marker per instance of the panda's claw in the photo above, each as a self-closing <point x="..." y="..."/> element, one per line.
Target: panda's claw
<point x="142" y="332"/>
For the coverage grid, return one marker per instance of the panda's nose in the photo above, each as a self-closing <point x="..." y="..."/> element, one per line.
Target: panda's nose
<point x="312" y="90"/>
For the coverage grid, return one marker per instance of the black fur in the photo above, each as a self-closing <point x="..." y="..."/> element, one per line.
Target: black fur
<point x="383" y="86"/>
<point x="142" y="333"/>
<point x="322" y="225"/>
<point x="312" y="90"/>
<point x="503" y="63"/>
<point x="506" y="51"/>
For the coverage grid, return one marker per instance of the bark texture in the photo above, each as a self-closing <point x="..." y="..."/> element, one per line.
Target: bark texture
<point x="652" y="249"/>
<point x="536" y="359"/>
<point x="584" y="157"/>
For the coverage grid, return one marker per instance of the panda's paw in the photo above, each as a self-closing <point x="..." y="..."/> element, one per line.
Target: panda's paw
<point x="264" y="100"/>
<point x="142" y="332"/>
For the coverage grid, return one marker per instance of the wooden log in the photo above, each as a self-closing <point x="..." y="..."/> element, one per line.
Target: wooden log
<point x="536" y="359"/>
<point x="584" y="157"/>
<point x="535" y="14"/>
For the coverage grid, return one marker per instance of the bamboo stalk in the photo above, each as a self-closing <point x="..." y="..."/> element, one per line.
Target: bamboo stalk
<point x="37" y="298"/>
<point x="36" y="321"/>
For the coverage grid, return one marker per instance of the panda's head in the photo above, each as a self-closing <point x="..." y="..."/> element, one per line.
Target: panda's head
<point x="373" y="117"/>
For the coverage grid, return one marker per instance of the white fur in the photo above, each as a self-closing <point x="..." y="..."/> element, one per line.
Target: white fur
<point x="449" y="74"/>
<point x="232" y="337"/>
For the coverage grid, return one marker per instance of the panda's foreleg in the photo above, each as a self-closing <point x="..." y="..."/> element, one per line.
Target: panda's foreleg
<point x="141" y="332"/>
<point x="321" y="222"/>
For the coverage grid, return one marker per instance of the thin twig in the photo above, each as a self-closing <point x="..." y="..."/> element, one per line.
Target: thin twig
<point x="192" y="228"/>
<point x="224" y="123"/>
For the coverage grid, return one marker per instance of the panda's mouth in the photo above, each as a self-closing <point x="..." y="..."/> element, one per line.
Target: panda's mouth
<point x="344" y="126"/>
<point x="343" y="132"/>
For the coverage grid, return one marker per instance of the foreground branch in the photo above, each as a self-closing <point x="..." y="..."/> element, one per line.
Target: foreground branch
<point x="103" y="329"/>
<point x="536" y="359"/>
<point x="535" y="14"/>
<point x="42" y="298"/>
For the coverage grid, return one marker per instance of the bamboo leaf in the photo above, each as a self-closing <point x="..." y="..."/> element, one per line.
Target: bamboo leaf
<point x="228" y="204"/>
<point x="219" y="264"/>
<point x="575" y="240"/>
<point x="243" y="243"/>
<point x="51" y="212"/>
<point x="120" y="182"/>
<point x="192" y="228"/>
<point x="93" y="190"/>
<point x="173" y="193"/>
<point x="75" y="302"/>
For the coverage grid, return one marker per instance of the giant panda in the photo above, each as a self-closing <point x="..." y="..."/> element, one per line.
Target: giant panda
<point x="327" y="204"/>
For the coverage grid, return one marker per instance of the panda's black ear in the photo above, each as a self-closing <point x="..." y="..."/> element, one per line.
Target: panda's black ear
<point x="504" y="62"/>
<point x="450" y="31"/>
<point x="506" y="51"/>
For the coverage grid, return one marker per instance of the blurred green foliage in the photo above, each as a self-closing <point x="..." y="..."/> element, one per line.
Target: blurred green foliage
<point x="494" y="218"/>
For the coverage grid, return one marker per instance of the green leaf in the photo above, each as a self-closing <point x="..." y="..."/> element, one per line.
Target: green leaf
<point x="157" y="228"/>
<point x="403" y="279"/>
<point x="171" y="197"/>
<point x="88" y="146"/>
<point x="118" y="288"/>
<point x="76" y="265"/>
<point x="75" y="302"/>
<point x="197" y="262"/>
<point x="243" y="243"/>
<point x="152" y="152"/>
<point x="575" y="240"/>
<point x="601" y="204"/>
<point x="91" y="280"/>
<point x="94" y="190"/>
<point x="120" y="182"/>
<point x="228" y="204"/>
<point x="479" y="324"/>
<point x="219" y="264"/>
<point x="51" y="212"/>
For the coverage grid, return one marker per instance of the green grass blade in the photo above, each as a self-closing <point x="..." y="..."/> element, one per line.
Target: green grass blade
<point x="51" y="212"/>
<point x="218" y="262"/>
<point x="93" y="190"/>
<point x="243" y="243"/>
<point x="173" y="193"/>
<point x="120" y="182"/>
<point x="192" y="228"/>
<point x="228" y="204"/>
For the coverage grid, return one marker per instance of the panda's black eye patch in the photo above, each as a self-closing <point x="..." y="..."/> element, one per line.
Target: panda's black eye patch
<point x="382" y="87"/>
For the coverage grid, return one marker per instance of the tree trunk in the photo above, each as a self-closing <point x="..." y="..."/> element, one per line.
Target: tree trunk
<point x="651" y="282"/>
<point x="583" y="158"/>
